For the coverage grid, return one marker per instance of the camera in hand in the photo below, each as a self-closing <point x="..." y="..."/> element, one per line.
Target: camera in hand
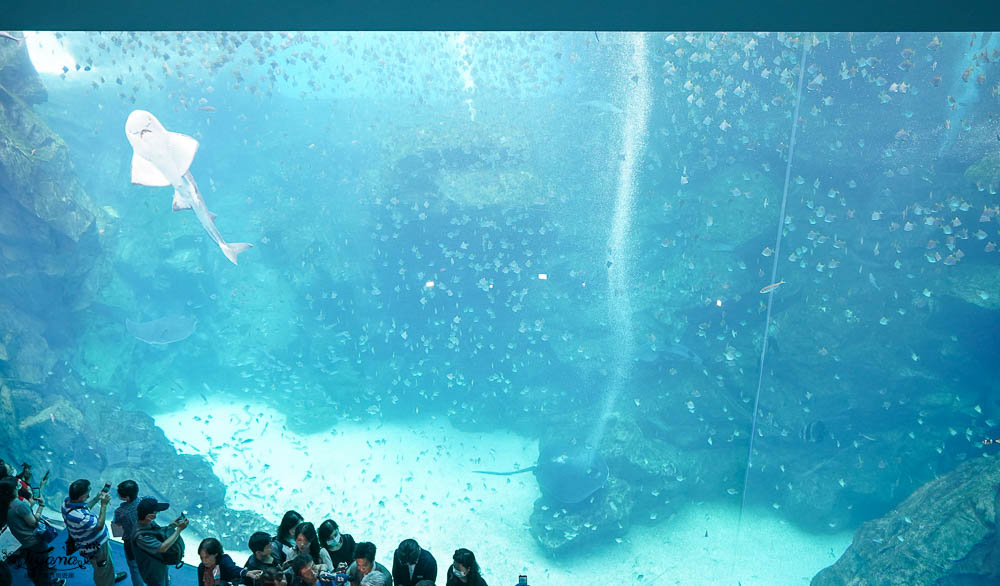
<point x="522" y="580"/>
<point x="340" y="576"/>
<point x="107" y="487"/>
<point x="331" y="578"/>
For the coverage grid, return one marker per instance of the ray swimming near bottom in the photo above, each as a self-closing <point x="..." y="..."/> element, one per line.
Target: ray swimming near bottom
<point x="566" y="472"/>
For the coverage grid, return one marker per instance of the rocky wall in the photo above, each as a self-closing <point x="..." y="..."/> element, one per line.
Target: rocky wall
<point x="48" y="238"/>
<point x="944" y="533"/>
<point x="52" y="265"/>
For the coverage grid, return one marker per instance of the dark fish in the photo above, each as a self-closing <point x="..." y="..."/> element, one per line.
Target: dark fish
<point x="813" y="432"/>
<point x="674" y="352"/>
<point x="165" y="330"/>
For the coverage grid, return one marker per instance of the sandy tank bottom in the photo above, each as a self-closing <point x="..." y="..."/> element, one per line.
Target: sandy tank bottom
<point x="385" y="482"/>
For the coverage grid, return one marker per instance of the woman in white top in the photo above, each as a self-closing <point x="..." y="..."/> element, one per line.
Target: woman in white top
<point x="306" y="541"/>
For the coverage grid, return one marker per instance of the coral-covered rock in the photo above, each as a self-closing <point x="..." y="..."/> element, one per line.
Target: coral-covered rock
<point x="37" y="174"/>
<point x="18" y="75"/>
<point x="986" y="169"/>
<point x="61" y="409"/>
<point x="62" y="427"/>
<point x="46" y="224"/>
<point x="26" y="356"/>
<point x="944" y="533"/>
<point x="979" y="287"/>
<point x="562" y="529"/>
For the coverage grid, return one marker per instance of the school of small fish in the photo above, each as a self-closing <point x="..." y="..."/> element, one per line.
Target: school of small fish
<point x="462" y="303"/>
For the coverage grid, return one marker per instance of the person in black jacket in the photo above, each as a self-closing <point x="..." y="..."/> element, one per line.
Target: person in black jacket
<point x="125" y="523"/>
<point x="365" y="564"/>
<point x="411" y="564"/>
<point x="339" y="545"/>
<point x="464" y="571"/>
<point x="217" y="567"/>
<point x="262" y="553"/>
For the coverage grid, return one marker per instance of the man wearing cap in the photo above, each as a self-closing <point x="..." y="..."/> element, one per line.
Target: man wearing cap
<point x="152" y="540"/>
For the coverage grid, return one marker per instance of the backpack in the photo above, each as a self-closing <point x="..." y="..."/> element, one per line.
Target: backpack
<point x="45" y="531"/>
<point x="174" y="556"/>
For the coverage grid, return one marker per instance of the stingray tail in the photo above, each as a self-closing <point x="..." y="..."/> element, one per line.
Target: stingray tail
<point x="522" y="471"/>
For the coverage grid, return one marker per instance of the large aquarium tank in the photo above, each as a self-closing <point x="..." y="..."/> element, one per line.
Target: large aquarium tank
<point x="651" y="308"/>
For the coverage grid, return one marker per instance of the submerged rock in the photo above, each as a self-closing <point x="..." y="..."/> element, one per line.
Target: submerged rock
<point x="647" y="484"/>
<point x="467" y="163"/>
<point x="61" y="409"/>
<point x="74" y="431"/>
<point x="18" y="75"/>
<point x="564" y="529"/>
<point x="46" y="225"/>
<point x="25" y="355"/>
<point x="944" y="533"/>
<point x="979" y="287"/>
<point x="985" y="170"/>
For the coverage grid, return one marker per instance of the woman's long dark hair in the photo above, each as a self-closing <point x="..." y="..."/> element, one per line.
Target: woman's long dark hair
<point x="291" y="520"/>
<point x="467" y="559"/>
<point x="8" y="492"/>
<point x="326" y="529"/>
<point x="309" y="531"/>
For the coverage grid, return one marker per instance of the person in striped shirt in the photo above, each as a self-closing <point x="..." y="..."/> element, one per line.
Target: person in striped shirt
<point x="89" y="532"/>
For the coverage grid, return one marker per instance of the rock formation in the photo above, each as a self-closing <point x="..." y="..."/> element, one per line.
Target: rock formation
<point x="944" y="533"/>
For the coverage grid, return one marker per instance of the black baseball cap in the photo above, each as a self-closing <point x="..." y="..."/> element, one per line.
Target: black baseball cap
<point x="149" y="505"/>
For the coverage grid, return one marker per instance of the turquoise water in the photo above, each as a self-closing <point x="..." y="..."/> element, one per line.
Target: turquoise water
<point x="565" y="237"/>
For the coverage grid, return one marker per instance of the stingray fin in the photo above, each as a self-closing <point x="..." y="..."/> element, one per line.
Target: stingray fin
<point x="182" y="150"/>
<point x="145" y="173"/>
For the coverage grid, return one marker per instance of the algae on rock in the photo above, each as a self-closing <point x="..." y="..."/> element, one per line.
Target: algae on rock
<point x="986" y="169"/>
<point x="46" y="225"/>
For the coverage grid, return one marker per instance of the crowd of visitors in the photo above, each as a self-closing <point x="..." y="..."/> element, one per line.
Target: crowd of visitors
<point x="296" y="555"/>
<point x="17" y="499"/>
